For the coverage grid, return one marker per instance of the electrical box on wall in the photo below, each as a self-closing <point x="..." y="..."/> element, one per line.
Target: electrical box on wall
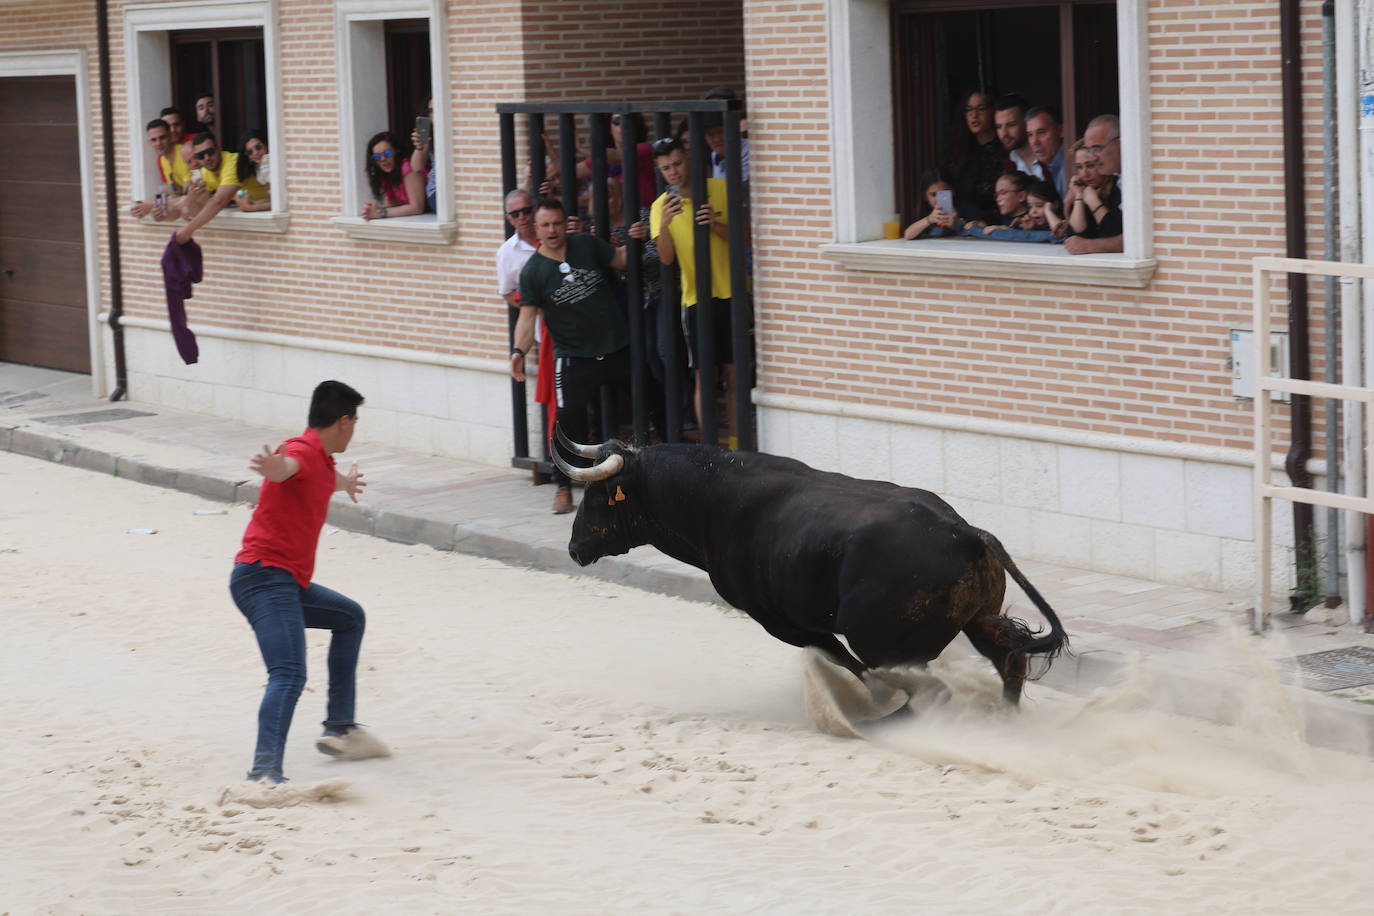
<point x="1243" y="369"/>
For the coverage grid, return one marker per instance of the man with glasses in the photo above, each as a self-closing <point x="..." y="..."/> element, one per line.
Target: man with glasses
<point x="173" y="175"/>
<point x="516" y="250"/>
<point x="1103" y="140"/>
<point x="216" y="173"/>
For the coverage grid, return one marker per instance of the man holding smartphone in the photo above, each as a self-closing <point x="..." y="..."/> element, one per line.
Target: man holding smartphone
<point x="421" y="159"/>
<point x="673" y="229"/>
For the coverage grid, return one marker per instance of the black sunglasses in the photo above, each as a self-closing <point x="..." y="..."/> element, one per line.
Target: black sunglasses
<point x="615" y="120"/>
<point x="523" y="211"/>
<point x="203" y="154"/>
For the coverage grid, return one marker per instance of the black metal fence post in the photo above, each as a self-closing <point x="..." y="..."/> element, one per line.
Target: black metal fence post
<point x="701" y="252"/>
<point x="741" y="300"/>
<point x="669" y="314"/>
<point x="519" y="425"/>
<point x="634" y="269"/>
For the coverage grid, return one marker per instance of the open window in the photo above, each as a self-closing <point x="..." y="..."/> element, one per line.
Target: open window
<point x="176" y="52"/>
<point x="390" y="64"/>
<point x="942" y="48"/>
<point x="231" y="66"/>
<point x="896" y="68"/>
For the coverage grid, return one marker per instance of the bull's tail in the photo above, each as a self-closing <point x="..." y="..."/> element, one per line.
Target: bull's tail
<point x="1050" y="644"/>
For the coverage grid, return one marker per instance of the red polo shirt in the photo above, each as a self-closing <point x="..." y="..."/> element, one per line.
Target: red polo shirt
<point x="285" y="529"/>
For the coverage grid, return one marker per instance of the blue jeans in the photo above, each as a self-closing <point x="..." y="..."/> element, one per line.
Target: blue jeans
<point x="279" y="610"/>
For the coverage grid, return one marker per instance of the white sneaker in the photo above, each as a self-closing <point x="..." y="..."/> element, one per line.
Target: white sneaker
<point x="358" y="744"/>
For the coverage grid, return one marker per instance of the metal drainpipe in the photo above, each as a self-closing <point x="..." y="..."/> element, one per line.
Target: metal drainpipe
<point x="1330" y="313"/>
<point x="1352" y="300"/>
<point x="102" y="19"/>
<point x="1299" y="360"/>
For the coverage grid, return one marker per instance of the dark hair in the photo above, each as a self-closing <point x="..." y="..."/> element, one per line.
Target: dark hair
<point x="640" y="131"/>
<point x="1047" y="110"/>
<point x="721" y="92"/>
<point x="192" y="128"/>
<point x="331" y="401"/>
<point x="206" y="94"/>
<point x="665" y="146"/>
<point x="158" y="122"/>
<point x="550" y="203"/>
<point x="1022" y="181"/>
<point x="1045" y="190"/>
<point x="379" y="180"/>
<point x="1011" y="100"/>
<point x="937" y="173"/>
<point x="247" y="167"/>
<point x="171" y="110"/>
<point x="201" y="136"/>
<point x="929" y="177"/>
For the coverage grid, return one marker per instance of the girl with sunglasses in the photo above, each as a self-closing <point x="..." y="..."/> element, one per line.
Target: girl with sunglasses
<point x="397" y="189"/>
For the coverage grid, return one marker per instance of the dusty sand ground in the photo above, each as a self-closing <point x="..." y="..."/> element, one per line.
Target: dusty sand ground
<point x="568" y="746"/>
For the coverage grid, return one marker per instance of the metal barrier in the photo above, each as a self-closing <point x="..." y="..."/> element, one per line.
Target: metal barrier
<point x="669" y="328"/>
<point x="1265" y="489"/>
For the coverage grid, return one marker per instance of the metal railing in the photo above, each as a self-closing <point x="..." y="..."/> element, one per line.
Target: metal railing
<point x="669" y="326"/>
<point x="1265" y="489"/>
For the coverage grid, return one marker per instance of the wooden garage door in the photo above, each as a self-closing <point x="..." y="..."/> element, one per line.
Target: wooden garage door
<point x="43" y="317"/>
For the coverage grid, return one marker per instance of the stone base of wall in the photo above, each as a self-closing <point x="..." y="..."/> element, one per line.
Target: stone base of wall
<point x="1180" y="518"/>
<point x="456" y="411"/>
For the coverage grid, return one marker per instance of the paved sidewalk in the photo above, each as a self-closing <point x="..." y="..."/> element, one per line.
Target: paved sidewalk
<point x="496" y="512"/>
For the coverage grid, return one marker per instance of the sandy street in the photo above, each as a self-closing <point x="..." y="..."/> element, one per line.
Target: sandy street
<point x="567" y="746"/>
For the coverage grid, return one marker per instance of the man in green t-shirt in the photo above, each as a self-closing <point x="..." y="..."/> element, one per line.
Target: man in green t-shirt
<point x="566" y="280"/>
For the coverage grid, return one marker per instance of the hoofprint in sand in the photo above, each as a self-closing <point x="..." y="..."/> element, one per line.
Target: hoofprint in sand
<point x="563" y="745"/>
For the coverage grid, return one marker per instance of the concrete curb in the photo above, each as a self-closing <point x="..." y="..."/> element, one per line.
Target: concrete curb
<point x="476" y="539"/>
<point x="1327" y="722"/>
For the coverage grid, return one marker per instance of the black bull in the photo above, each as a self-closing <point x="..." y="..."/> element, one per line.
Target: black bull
<point x="810" y="554"/>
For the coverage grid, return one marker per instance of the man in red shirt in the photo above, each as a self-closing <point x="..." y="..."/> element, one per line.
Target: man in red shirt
<point x="271" y="583"/>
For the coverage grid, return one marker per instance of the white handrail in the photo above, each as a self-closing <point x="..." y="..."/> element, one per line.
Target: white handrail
<point x="1265" y="488"/>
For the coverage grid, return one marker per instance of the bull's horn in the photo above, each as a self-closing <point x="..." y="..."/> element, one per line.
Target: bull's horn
<point x="607" y="468"/>
<point x="581" y="451"/>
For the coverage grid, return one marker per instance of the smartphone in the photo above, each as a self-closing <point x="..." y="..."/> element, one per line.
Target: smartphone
<point x="673" y="190"/>
<point x="944" y="200"/>
<point x="424" y="128"/>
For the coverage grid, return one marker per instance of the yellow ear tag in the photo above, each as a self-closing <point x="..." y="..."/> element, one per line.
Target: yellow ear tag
<point x="619" y="494"/>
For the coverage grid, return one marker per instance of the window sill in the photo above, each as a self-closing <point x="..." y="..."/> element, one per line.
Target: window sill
<point x="271" y="221"/>
<point x="970" y="258"/>
<point x="423" y="229"/>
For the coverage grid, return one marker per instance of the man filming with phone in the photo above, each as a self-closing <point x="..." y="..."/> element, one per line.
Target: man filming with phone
<point x="422" y="146"/>
<point x="673" y="229"/>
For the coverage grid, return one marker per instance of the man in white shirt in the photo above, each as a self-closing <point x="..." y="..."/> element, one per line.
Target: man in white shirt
<point x="516" y="250"/>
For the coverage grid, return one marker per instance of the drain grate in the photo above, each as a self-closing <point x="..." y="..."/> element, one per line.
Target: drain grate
<point x="1334" y="669"/>
<point x="94" y="416"/>
<point x="12" y="399"/>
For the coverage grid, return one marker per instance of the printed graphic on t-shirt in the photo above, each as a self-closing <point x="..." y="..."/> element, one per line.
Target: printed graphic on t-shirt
<point x="579" y="284"/>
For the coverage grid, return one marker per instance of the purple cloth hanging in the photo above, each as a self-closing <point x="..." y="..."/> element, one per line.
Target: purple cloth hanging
<point x="181" y="269"/>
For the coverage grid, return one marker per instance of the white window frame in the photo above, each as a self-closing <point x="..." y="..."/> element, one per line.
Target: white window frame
<point x="360" y="36"/>
<point x="860" y="59"/>
<point x="148" y="52"/>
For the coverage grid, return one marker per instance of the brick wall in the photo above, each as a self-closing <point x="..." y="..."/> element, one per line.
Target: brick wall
<point x="1148" y="363"/>
<point x="315" y="280"/>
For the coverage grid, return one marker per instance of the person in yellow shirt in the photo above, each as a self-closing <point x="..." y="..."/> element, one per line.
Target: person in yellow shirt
<point x="214" y="172"/>
<point x="173" y="175"/>
<point x="672" y="228"/>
